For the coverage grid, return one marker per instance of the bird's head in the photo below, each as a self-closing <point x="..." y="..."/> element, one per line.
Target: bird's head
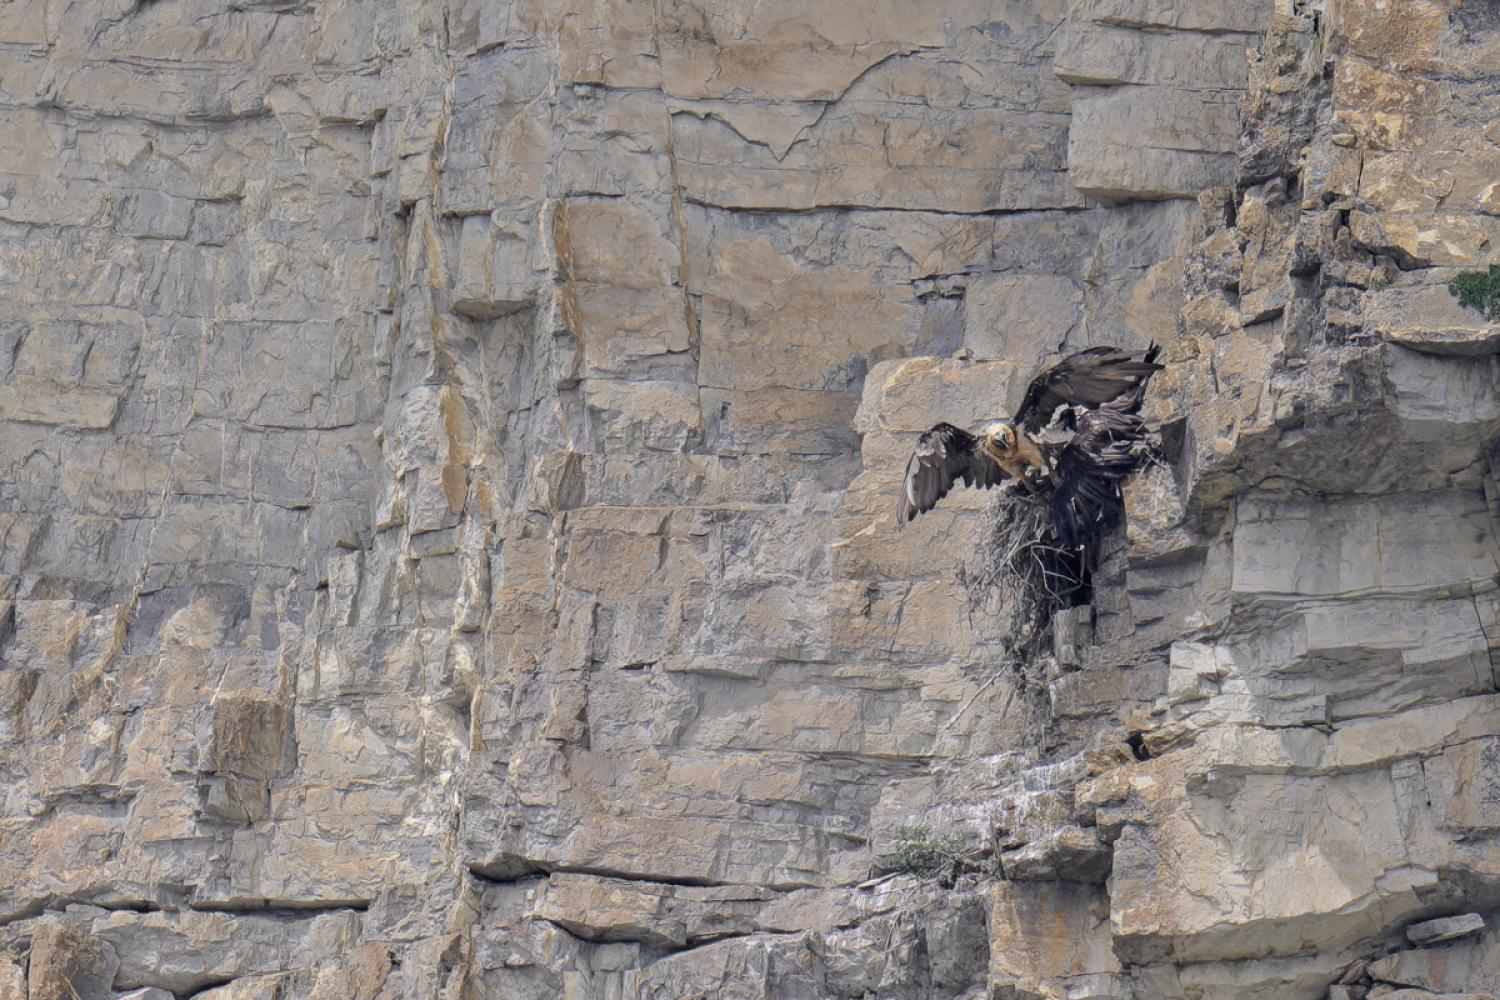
<point x="1000" y="434"/>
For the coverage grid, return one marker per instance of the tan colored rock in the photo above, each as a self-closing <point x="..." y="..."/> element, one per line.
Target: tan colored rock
<point x="827" y="313"/>
<point x="249" y="737"/>
<point x="792" y="53"/>
<point x="1444" y="929"/>
<point x="12" y="981"/>
<point x="672" y="916"/>
<point x="1048" y="938"/>
<point x="68" y="964"/>
<point x="1021" y="319"/>
<point x="1381" y="108"/>
<point x="1102" y="54"/>
<point x="1069" y="853"/>
<point x="1133" y="142"/>
<point x="1149" y="82"/>
<point x="447" y="458"/>
<point x="1192" y="15"/>
<point x="1426" y="239"/>
<point x="494" y="271"/>
<point x="1365" y="775"/>
<point x="1405" y="37"/>
<point x="855" y="155"/>
<point x="1429" y="318"/>
<point x="1368" y="546"/>
<point x="51" y="405"/>
<point x="1465" y="965"/>
<point x="187" y="952"/>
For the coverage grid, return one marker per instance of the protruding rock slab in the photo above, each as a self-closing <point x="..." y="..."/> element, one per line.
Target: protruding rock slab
<point x="1429" y="318"/>
<point x="1445" y="929"/>
<point x="1466" y="964"/>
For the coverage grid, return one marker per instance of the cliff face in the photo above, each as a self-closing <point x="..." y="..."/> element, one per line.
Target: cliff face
<point x="448" y="452"/>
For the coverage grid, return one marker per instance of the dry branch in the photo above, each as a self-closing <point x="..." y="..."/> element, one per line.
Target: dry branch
<point x="1020" y="575"/>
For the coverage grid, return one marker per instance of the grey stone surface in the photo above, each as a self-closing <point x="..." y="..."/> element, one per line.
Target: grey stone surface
<point x="1445" y="929"/>
<point x="1465" y="965"/>
<point x="446" y="461"/>
<point x="1155" y="88"/>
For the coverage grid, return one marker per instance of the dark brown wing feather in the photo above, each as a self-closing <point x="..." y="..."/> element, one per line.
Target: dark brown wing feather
<point x="1088" y="378"/>
<point x="944" y="455"/>
<point x="1108" y="445"/>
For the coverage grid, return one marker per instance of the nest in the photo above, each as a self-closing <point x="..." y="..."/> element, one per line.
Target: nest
<point x="1020" y="576"/>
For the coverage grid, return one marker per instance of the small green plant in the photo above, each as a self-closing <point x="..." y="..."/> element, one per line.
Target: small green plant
<point x="921" y="852"/>
<point x="1479" y="290"/>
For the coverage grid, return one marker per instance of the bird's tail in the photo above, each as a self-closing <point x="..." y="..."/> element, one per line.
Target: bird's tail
<point x="1124" y="366"/>
<point x="1128" y="402"/>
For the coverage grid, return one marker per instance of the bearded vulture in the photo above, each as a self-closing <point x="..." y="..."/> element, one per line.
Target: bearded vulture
<point x="1077" y="435"/>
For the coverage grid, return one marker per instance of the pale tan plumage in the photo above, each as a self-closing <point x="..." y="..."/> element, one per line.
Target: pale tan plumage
<point x="1014" y="451"/>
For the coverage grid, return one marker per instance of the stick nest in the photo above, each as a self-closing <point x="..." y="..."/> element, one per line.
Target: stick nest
<point x="1020" y="576"/>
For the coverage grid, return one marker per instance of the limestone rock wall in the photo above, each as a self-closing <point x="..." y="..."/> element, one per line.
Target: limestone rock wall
<point x="447" y="451"/>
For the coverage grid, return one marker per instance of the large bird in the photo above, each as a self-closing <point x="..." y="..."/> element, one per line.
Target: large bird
<point x="1077" y="434"/>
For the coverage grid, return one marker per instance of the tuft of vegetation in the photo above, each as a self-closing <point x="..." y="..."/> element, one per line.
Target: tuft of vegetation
<point x="1480" y="291"/>
<point x="921" y="852"/>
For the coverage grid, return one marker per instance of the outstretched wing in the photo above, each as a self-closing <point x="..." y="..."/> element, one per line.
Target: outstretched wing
<point x="1088" y="378"/>
<point x="944" y="455"/>
<point x="1109" y="444"/>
